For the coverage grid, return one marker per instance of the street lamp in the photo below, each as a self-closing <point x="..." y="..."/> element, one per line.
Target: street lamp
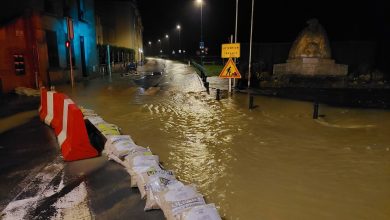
<point x="159" y="42"/>
<point x="200" y="3"/>
<point x="150" y="48"/>
<point x="167" y="38"/>
<point x="178" y="27"/>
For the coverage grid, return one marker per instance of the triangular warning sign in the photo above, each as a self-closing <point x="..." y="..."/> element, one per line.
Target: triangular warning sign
<point x="230" y="70"/>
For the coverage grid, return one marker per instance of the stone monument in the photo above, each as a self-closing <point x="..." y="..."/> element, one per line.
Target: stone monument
<point x="310" y="55"/>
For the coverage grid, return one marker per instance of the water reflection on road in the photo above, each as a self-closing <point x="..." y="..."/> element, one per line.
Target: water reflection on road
<point x="273" y="162"/>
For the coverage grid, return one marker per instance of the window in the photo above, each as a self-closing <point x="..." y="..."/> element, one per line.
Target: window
<point x="52" y="49"/>
<point x="81" y="9"/>
<point x="20" y="67"/>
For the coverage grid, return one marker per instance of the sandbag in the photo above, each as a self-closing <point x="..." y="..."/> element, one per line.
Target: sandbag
<point x="119" y="145"/>
<point x="146" y="177"/>
<point x="208" y="212"/>
<point x="176" y="200"/>
<point x="154" y="187"/>
<point x="108" y="129"/>
<point x="88" y="112"/>
<point x="140" y="164"/>
<point x="95" y="120"/>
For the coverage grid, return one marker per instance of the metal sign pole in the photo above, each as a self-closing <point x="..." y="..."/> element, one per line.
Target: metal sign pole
<point x="69" y="23"/>
<point x="235" y="39"/>
<point x="71" y="64"/>
<point x="250" y="48"/>
<point x="230" y="79"/>
<point x="108" y="60"/>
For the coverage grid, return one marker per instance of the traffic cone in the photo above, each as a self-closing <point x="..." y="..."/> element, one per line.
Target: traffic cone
<point x="73" y="138"/>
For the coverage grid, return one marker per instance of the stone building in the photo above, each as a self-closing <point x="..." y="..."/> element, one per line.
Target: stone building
<point x="119" y="24"/>
<point x="34" y="32"/>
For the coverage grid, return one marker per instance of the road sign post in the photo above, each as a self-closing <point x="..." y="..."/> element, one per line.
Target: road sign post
<point x="69" y="24"/>
<point x="231" y="50"/>
<point x="230" y="70"/>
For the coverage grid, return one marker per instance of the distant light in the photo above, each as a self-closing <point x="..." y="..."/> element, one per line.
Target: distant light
<point x="178" y="27"/>
<point x="184" y="51"/>
<point x="161" y="51"/>
<point x="150" y="43"/>
<point x="159" y="40"/>
<point x="179" y="51"/>
<point x="199" y="2"/>
<point x="167" y="36"/>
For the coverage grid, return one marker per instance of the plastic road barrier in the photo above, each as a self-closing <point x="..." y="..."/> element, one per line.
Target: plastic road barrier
<point x="43" y="107"/>
<point x="73" y="138"/>
<point x="56" y="123"/>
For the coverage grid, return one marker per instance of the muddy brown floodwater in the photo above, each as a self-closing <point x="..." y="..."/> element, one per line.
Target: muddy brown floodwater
<point x="273" y="162"/>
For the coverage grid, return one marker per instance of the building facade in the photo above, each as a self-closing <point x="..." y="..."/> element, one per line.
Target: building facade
<point x="119" y="24"/>
<point x="33" y="35"/>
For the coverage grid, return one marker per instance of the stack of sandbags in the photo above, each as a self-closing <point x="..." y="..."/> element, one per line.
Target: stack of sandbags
<point x="27" y="91"/>
<point x="158" y="186"/>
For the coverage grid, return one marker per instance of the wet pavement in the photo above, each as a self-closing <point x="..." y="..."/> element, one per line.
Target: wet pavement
<point x="271" y="162"/>
<point x="21" y="153"/>
<point x="37" y="184"/>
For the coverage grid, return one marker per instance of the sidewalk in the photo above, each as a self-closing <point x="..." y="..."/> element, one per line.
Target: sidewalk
<point x="37" y="184"/>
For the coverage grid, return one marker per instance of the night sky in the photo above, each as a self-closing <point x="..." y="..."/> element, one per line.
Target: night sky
<point x="275" y="21"/>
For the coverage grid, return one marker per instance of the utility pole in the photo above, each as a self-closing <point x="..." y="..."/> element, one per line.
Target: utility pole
<point x="69" y="24"/>
<point x="250" y="48"/>
<point x="235" y="39"/>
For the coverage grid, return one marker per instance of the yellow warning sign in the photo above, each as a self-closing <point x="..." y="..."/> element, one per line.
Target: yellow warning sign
<point x="230" y="70"/>
<point x="230" y="50"/>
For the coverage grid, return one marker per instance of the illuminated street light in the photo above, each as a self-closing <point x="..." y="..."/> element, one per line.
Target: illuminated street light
<point x="178" y="27"/>
<point x="166" y="36"/>
<point x="201" y="43"/>
<point x="159" y="42"/>
<point x="200" y="3"/>
<point x="150" y="47"/>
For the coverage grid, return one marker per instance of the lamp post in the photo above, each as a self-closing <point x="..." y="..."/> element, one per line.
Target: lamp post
<point x="167" y="38"/>
<point x="159" y="42"/>
<point x="178" y="27"/>
<point x="200" y="3"/>
<point x="250" y="48"/>
<point x="201" y="43"/>
<point x="150" y="47"/>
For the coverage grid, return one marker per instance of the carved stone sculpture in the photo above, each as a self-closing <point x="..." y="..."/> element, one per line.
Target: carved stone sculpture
<point x="310" y="55"/>
<point x="311" y="42"/>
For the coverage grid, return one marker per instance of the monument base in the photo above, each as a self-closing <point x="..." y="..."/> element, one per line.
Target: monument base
<point x="311" y="67"/>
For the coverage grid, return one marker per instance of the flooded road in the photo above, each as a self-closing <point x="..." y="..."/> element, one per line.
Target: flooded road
<point x="271" y="163"/>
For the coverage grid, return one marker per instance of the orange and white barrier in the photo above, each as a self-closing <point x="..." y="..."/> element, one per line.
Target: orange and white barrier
<point x="58" y="110"/>
<point x="62" y="114"/>
<point x="43" y="107"/>
<point x="50" y="107"/>
<point x="73" y="138"/>
<point x="46" y="109"/>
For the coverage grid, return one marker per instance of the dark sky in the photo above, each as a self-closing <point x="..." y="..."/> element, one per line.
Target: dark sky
<point x="275" y="21"/>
